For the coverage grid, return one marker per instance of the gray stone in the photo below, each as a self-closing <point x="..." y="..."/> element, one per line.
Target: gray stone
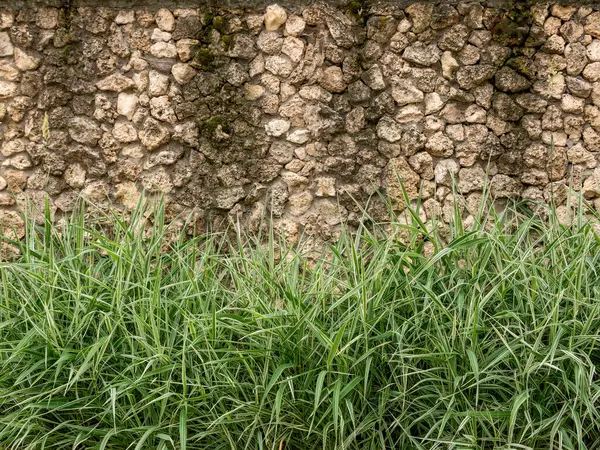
<point x="158" y="84"/>
<point x="453" y="113"/>
<point x="469" y="55"/>
<point x="185" y="48"/>
<point x="552" y="118"/>
<point x="409" y="113"/>
<point x="115" y="83"/>
<point x="593" y="51"/>
<point x="124" y="132"/>
<point x="279" y="66"/>
<point x="332" y="80"/>
<point x="358" y="92"/>
<point x="153" y="134"/>
<point x="440" y="145"/>
<point x="26" y="61"/>
<point x="6" y="48"/>
<point x="236" y="74"/>
<point x="183" y="73"/>
<point x="475" y="114"/>
<point x="420" y="14"/>
<point x="503" y="186"/>
<point x="13" y="147"/>
<point x="389" y="129"/>
<point x="579" y="155"/>
<point x="242" y="47"/>
<point x="579" y="87"/>
<point x="591" y="185"/>
<point x="424" y="55"/>
<point x="573" y="105"/>
<point x="374" y="78"/>
<point x="554" y="44"/>
<point x="269" y="42"/>
<point x="400" y="179"/>
<point x="162" y="109"/>
<point x="282" y="152"/>
<point x="592" y="72"/>
<point x="299" y="136"/>
<point x="449" y="65"/>
<point x="454" y="39"/>
<point x="470" y="76"/>
<point x="277" y="127"/>
<point x="433" y="103"/>
<point x="571" y="31"/>
<point x="406" y="93"/>
<point x="471" y="179"/>
<point x="506" y="108"/>
<point x="293" y="48"/>
<point x="294" y="26"/>
<point x="508" y="80"/>
<point x="592" y="24"/>
<point x="163" y="50"/>
<point x="399" y="42"/>
<point x="84" y="130"/>
<point x="315" y="93"/>
<point x="445" y="172"/>
<point x="443" y="16"/>
<point x="576" y="58"/>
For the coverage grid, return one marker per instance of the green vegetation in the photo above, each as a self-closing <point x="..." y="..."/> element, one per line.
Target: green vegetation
<point x="203" y="58"/>
<point x="357" y="9"/>
<point x="204" y="54"/>
<point x="215" y="123"/>
<point x="116" y="337"/>
<point x="513" y="28"/>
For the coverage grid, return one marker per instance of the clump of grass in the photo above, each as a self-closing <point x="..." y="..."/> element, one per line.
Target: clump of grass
<point x="109" y="342"/>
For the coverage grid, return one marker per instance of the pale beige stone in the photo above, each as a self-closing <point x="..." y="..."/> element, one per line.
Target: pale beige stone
<point x="163" y="50"/>
<point x="183" y="73"/>
<point x="6" y="47"/>
<point x="165" y="20"/>
<point x="127" y="104"/>
<point x="26" y="61"/>
<point x="274" y="17"/>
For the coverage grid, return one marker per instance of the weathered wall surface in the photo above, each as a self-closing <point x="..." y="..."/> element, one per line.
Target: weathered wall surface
<point x="302" y="112"/>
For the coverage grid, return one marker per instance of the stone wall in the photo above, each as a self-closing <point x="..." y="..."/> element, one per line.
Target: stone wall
<point x="303" y="113"/>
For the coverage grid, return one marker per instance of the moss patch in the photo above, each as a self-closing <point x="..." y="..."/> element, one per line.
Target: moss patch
<point x="357" y="9"/>
<point x="218" y="23"/>
<point x="514" y="27"/>
<point x="65" y="14"/>
<point x="203" y="58"/>
<point x="204" y="54"/>
<point x="215" y="126"/>
<point x="522" y="65"/>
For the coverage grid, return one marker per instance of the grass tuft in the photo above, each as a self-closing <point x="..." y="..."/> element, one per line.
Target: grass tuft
<point x="114" y="337"/>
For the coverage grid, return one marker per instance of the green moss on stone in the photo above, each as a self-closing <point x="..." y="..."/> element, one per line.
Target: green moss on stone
<point x="203" y="58"/>
<point x="218" y="23"/>
<point x="211" y="125"/>
<point x="227" y="41"/>
<point x="522" y="65"/>
<point x="207" y="19"/>
<point x="65" y="15"/>
<point x="67" y="53"/>
<point x="357" y="9"/>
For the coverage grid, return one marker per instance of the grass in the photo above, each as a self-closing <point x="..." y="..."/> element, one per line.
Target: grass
<point x="107" y="341"/>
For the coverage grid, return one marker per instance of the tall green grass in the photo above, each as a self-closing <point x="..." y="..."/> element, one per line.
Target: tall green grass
<point x="112" y="337"/>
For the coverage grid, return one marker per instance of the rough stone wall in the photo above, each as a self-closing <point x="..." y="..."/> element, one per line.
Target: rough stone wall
<point x="302" y="113"/>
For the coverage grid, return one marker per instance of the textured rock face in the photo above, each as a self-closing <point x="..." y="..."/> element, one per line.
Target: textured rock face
<point x="302" y="113"/>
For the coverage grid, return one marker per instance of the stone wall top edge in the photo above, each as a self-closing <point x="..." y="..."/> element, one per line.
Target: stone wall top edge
<point x="258" y="4"/>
